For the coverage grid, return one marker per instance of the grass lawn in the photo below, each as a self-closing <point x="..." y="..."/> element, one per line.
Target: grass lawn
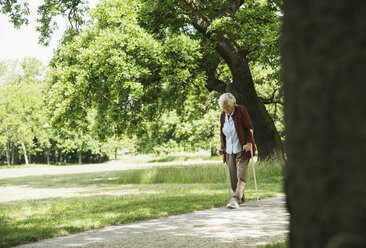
<point x="278" y="245"/>
<point x="80" y="202"/>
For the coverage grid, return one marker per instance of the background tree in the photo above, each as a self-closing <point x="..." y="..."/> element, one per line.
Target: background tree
<point x="21" y="97"/>
<point x="233" y="35"/>
<point x="24" y="122"/>
<point x="323" y="58"/>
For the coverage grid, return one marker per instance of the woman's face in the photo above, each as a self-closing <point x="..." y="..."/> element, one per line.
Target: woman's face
<point x="228" y="109"/>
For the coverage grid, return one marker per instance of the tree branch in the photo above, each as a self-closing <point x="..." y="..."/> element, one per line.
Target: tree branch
<point x="230" y="8"/>
<point x="193" y="4"/>
<point x="272" y="99"/>
<point x="73" y="15"/>
<point x="214" y="83"/>
<point x="198" y="20"/>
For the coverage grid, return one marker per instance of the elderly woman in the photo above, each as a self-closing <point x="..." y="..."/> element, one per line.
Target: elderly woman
<point x="236" y="143"/>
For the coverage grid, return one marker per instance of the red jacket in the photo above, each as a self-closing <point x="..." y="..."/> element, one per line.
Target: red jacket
<point x="242" y="125"/>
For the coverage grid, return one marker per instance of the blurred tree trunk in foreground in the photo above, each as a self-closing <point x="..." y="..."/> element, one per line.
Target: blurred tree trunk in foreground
<point x="324" y="58"/>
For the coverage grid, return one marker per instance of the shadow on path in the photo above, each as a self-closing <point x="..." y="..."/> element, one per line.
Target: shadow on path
<point x="248" y="226"/>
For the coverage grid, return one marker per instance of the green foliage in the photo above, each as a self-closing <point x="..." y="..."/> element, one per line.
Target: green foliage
<point x="270" y="89"/>
<point x="160" y="18"/>
<point x="17" y="12"/>
<point x="173" y="133"/>
<point x="258" y="29"/>
<point x="195" y="125"/>
<point x="121" y="71"/>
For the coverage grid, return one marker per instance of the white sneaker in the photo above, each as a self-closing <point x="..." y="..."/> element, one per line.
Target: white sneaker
<point x="232" y="204"/>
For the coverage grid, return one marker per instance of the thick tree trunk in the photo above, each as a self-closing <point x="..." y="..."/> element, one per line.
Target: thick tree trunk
<point x="25" y="153"/>
<point x="266" y="136"/>
<point x="324" y="57"/>
<point x="80" y="157"/>
<point x="8" y="152"/>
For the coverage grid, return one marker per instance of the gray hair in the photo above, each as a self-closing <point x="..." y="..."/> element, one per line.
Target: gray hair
<point x="227" y="98"/>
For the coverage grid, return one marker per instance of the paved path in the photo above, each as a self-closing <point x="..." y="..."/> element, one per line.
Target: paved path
<point x="248" y="226"/>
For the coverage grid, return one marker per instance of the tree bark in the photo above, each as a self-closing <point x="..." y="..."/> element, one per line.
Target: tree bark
<point x="56" y="157"/>
<point x="8" y="152"/>
<point x="60" y="160"/>
<point x="48" y="157"/>
<point x="213" y="151"/>
<point x="25" y="153"/>
<point x="323" y="53"/>
<point x="80" y="157"/>
<point x="7" y="145"/>
<point x="13" y="154"/>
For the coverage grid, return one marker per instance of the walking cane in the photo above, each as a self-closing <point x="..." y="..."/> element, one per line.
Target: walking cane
<point x="255" y="180"/>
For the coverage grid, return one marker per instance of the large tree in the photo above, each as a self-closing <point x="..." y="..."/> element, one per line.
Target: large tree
<point x="228" y="31"/>
<point x="324" y="55"/>
<point x="221" y="27"/>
